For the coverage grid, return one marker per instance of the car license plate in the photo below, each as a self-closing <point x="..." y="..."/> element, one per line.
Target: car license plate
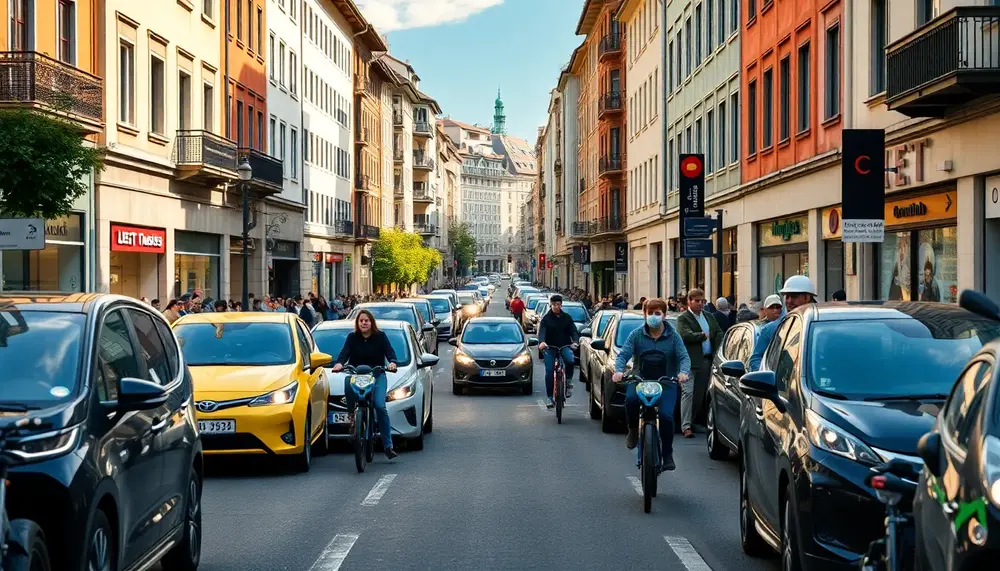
<point x="492" y="372"/>
<point x="339" y="418"/>
<point x="217" y="426"/>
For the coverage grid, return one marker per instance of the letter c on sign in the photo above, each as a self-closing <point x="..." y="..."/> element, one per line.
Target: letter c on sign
<point x="857" y="164"/>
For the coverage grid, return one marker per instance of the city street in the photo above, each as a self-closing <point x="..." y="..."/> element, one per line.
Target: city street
<point x="499" y="485"/>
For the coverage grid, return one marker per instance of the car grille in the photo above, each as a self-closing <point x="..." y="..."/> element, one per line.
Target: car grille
<point x="338" y="403"/>
<point x="493" y="363"/>
<point x="232" y="442"/>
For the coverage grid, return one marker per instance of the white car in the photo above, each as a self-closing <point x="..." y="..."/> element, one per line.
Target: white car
<point x="410" y="395"/>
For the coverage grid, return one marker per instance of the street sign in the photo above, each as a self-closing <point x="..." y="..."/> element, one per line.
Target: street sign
<point x="22" y="234"/>
<point x="863" y="185"/>
<point x="585" y="253"/>
<point x="692" y="188"/>
<point x="697" y="248"/>
<point x="699" y="227"/>
<point x="621" y="256"/>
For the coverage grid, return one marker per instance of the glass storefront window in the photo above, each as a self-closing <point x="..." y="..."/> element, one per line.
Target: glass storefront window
<point x="895" y="268"/>
<point x="834" y="266"/>
<point x="730" y="271"/>
<point x="193" y="272"/>
<point x="776" y="268"/>
<point x="927" y="258"/>
<point x="59" y="267"/>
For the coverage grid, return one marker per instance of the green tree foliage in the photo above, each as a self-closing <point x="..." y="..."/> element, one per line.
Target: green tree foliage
<point x="401" y="258"/>
<point x="463" y="246"/>
<point x="43" y="165"/>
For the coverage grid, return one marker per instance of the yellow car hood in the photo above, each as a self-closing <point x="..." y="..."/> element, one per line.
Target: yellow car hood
<point x="241" y="380"/>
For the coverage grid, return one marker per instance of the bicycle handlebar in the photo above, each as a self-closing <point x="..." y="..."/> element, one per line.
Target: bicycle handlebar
<point x="350" y="369"/>
<point x="553" y="347"/>
<point x="634" y="378"/>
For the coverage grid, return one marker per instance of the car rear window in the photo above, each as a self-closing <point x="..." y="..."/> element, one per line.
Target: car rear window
<point x="394" y="313"/>
<point x="440" y="305"/>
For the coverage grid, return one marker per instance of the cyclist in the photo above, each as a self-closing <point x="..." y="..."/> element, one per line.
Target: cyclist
<point x="798" y="290"/>
<point x="659" y="352"/>
<point x="367" y="345"/>
<point x="558" y="330"/>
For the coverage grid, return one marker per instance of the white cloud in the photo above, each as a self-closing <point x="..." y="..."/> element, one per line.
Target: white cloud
<point x="389" y="15"/>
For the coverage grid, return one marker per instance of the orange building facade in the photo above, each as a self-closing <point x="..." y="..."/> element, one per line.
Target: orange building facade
<point x="243" y="53"/>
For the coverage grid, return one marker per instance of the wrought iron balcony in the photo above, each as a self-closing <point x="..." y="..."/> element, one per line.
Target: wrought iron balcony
<point x="268" y="172"/>
<point x="362" y="182"/>
<point x="557" y="165"/>
<point x="422" y="160"/>
<point x="204" y="156"/>
<point x="582" y="228"/>
<point x="611" y="165"/>
<point x="397" y="190"/>
<point x="367" y="232"/>
<point x="397" y="119"/>
<point x="424" y="228"/>
<point x="365" y="136"/>
<point x="343" y="227"/>
<point x="610" y="102"/>
<point x="421" y="194"/>
<point x="397" y="155"/>
<point x="36" y="81"/>
<point x="610" y="224"/>
<point x="423" y="129"/>
<point x="946" y="63"/>
<point x="610" y="45"/>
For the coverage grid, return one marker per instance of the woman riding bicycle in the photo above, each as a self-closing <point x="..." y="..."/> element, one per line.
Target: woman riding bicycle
<point x="659" y="352"/>
<point x="369" y="346"/>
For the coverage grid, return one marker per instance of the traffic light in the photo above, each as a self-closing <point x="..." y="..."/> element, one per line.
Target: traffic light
<point x="510" y="258"/>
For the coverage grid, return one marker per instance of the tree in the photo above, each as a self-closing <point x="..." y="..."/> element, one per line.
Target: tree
<point x="463" y="245"/>
<point x="401" y="258"/>
<point x="43" y="163"/>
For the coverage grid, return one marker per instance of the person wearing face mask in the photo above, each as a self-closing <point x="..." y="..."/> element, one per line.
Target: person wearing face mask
<point x="798" y="291"/>
<point x="658" y="351"/>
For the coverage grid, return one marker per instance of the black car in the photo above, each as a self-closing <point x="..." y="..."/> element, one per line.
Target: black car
<point x="492" y="352"/>
<point x="607" y="400"/>
<point x="842" y="387"/>
<point x="444" y="313"/>
<point x="725" y="399"/>
<point x="117" y="460"/>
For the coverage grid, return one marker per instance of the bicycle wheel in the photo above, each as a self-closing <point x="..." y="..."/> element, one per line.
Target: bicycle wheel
<point x="360" y="438"/>
<point x="648" y="467"/>
<point x="560" y="389"/>
<point x="370" y="441"/>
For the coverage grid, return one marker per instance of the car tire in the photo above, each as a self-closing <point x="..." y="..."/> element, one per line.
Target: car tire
<point x="716" y="449"/>
<point x="36" y="553"/>
<point x="455" y="389"/>
<point x="750" y="541"/>
<point x="791" y="559"/>
<point x="429" y="424"/>
<point x="526" y="390"/>
<point x="303" y="460"/>
<point x="416" y="444"/>
<point x="323" y="445"/>
<point x="595" y="411"/>
<point x="186" y="555"/>
<point x="607" y="427"/>
<point x="102" y="553"/>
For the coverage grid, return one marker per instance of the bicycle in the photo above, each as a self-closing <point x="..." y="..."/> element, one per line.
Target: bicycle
<point x="895" y="485"/>
<point x="363" y="433"/>
<point x="649" y="461"/>
<point x="22" y="542"/>
<point x="558" y="381"/>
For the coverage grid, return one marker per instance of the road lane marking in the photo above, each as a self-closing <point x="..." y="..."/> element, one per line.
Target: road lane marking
<point x="636" y="484"/>
<point x="335" y="553"/>
<point x="378" y="490"/>
<point x="541" y="404"/>
<point x="689" y="556"/>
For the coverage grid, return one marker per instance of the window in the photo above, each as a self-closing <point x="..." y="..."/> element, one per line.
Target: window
<point x="752" y="118"/>
<point x="67" y="31"/>
<point x="260" y="30"/>
<point x="283" y="142"/>
<point x="784" y="113"/>
<point x="670" y="78"/>
<point x="788" y="358"/>
<point x="249" y="24"/>
<point x="293" y="83"/>
<point x="183" y="100"/>
<point x="751" y="10"/>
<point x="768" y="103"/>
<point x="879" y="31"/>
<point x="831" y="87"/>
<point x="722" y="134"/>
<point x="710" y="141"/>
<point x="250" y="125"/>
<point x="157" y="368"/>
<point x="709" y="30"/>
<point x="734" y="113"/>
<point x="292" y="13"/>
<point x="670" y="171"/>
<point x="697" y="35"/>
<point x="208" y="104"/>
<point x="22" y="18"/>
<point x="697" y="135"/>
<point x="295" y="153"/>
<point x="689" y="142"/>
<point x="925" y="11"/>
<point x="260" y="130"/>
<point x="689" y="50"/>
<point x="281" y="63"/>
<point x="157" y="102"/>
<point x="734" y="17"/>
<point x="173" y="354"/>
<point x="239" y="20"/>
<point x="126" y="85"/>
<point x="239" y="123"/>
<point x="116" y="357"/>
<point x="271" y="60"/>
<point x="804" y="80"/>
<point x="722" y="21"/>
<point x="208" y="7"/>
<point x="962" y="408"/>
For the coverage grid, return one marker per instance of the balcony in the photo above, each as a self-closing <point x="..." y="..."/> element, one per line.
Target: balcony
<point x="343" y="228"/>
<point x="268" y="172"/>
<point x="421" y="194"/>
<point x="424" y="228"/>
<point x="204" y="157"/>
<point x="367" y="232"/>
<point x="557" y="166"/>
<point x="361" y="83"/>
<point x="582" y="228"/>
<point x="422" y="160"/>
<point x="397" y="119"/>
<point x="35" y="81"/>
<point x="610" y="102"/>
<point x="423" y="129"/>
<point x="362" y="182"/>
<point x="365" y="136"/>
<point x="397" y="191"/>
<point x="610" y="46"/>
<point x="397" y="155"/>
<point x="610" y="165"/>
<point x="946" y="63"/>
<point x="609" y="225"/>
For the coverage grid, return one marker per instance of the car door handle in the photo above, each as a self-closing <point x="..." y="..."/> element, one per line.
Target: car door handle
<point x="160" y="424"/>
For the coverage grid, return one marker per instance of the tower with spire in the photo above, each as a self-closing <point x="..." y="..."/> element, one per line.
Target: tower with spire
<point x="499" y="118"/>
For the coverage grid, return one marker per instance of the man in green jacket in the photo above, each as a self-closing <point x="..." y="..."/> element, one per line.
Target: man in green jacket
<point x="702" y="337"/>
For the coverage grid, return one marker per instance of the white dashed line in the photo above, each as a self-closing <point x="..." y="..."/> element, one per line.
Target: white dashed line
<point x="541" y="404"/>
<point x="378" y="490"/>
<point x="636" y="484"/>
<point x="335" y="553"/>
<point x="689" y="556"/>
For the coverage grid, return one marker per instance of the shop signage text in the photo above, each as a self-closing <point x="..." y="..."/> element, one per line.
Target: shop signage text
<point x="136" y="239"/>
<point x="783" y="231"/>
<point x="862" y="191"/>
<point x="913" y="209"/>
<point x="928" y="208"/>
<point x="896" y="159"/>
<point x="621" y="256"/>
<point x="786" y="229"/>
<point x="22" y="234"/>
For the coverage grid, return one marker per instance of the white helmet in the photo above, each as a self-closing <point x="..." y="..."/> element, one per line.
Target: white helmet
<point x="798" y="284"/>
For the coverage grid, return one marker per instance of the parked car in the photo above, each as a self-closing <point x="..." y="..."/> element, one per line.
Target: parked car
<point x="492" y="352"/>
<point x="446" y="314"/>
<point x="471" y="304"/>
<point x="725" y="399"/>
<point x="842" y="387"/>
<point x="453" y="294"/>
<point x="427" y="313"/>
<point x="529" y="319"/>
<point x="522" y="292"/>
<point x="410" y="389"/>
<point x="426" y="332"/>
<point x="106" y="380"/>
<point x="607" y="400"/>
<point x="595" y="329"/>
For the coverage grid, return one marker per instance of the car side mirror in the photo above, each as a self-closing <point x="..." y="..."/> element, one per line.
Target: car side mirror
<point x="137" y="394"/>
<point x="598" y="345"/>
<point x="532" y="341"/>
<point x="586" y="332"/>
<point x="427" y="360"/>
<point x="733" y="369"/>
<point x="435" y="322"/>
<point x="762" y="384"/>
<point x="428" y="327"/>
<point x="453" y="341"/>
<point x="929" y="448"/>
<point x="318" y="359"/>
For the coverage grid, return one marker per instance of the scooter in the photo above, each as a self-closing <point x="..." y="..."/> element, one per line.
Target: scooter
<point x="22" y="542"/>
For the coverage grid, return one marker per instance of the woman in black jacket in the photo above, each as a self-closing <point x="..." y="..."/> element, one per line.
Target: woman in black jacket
<point x="367" y="345"/>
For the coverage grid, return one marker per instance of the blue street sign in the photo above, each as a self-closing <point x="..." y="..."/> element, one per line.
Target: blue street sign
<point x="700" y="227"/>
<point x="697" y="248"/>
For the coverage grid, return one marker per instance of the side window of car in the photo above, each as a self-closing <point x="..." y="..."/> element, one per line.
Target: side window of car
<point x="416" y="347"/>
<point x="158" y="369"/>
<point x="777" y="342"/>
<point x="732" y="342"/>
<point x="788" y="358"/>
<point x="304" y="345"/>
<point x="966" y="399"/>
<point x="170" y="344"/>
<point x="116" y="358"/>
<point x="745" y="349"/>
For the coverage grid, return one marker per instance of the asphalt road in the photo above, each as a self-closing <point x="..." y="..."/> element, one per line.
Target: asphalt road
<point x="499" y="485"/>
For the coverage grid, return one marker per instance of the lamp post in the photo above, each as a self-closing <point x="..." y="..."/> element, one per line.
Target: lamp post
<point x="245" y="172"/>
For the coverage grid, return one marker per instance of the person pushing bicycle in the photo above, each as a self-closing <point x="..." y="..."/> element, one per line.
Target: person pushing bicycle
<point x="557" y="329"/>
<point x="659" y="352"/>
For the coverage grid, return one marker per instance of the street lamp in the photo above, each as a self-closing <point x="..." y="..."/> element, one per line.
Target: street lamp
<point x="245" y="172"/>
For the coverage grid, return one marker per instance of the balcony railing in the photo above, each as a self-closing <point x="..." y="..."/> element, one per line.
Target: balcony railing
<point x="610" y="224"/>
<point x="611" y="164"/>
<point x="424" y="228"/>
<point x="423" y="128"/>
<point x="397" y="119"/>
<point x="945" y="63"/>
<point x="268" y="171"/>
<point x="362" y="182"/>
<point x="397" y="155"/>
<point x="36" y="80"/>
<point x="422" y="195"/>
<point x="397" y="190"/>
<point x="343" y="227"/>
<point x="422" y="160"/>
<point x="367" y="232"/>
<point x="205" y="154"/>
<point x="611" y="102"/>
<point x="610" y="45"/>
<point x="582" y="228"/>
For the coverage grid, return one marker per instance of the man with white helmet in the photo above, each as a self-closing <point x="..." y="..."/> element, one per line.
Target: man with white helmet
<point x="798" y="290"/>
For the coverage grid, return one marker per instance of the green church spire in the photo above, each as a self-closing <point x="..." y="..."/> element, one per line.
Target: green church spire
<point x="499" y="118"/>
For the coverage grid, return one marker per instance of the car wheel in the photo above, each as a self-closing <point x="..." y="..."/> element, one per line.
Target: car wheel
<point x="595" y="411"/>
<point x="607" y="426"/>
<point x="429" y="424"/>
<point x="750" y="541"/>
<point x="186" y="555"/>
<point x="790" y="559"/>
<point x="455" y="389"/>
<point x="303" y="460"/>
<point x="526" y="390"/>
<point x="323" y="445"/>
<point x="716" y="449"/>
<point x="101" y="551"/>
<point x="35" y="553"/>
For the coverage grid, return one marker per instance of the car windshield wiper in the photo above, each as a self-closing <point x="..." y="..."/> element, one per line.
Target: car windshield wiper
<point x="829" y="394"/>
<point x="932" y="396"/>
<point x="14" y="407"/>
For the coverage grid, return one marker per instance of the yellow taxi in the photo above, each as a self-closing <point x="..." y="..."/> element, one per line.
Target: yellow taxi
<point x="259" y="384"/>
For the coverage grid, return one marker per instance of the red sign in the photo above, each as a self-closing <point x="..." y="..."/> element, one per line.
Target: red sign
<point x="541" y="260"/>
<point x="331" y="258"/>
<point x="138" y="239"/>
<point x="550" y="264"/>
<point x="691" y="167"/>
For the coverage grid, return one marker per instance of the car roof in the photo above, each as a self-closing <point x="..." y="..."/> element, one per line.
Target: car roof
<point x="445" y="291"/>
<point x="349" y="324"/>
<point x="413" y="300"/>
<point x="433" y="296"/>
<point x="237" y="317"/>
<point x="391" y="304"/>
<point x="494" y="320"/>
<point x="569" y="303"/>
<point x="864" y="310"/>
<point x="68" y="303"/>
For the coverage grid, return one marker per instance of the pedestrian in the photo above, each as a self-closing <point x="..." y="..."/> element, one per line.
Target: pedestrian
<point x="839" y="295"/>
<point x="682" y="303"/>
<point x="156" y="304"/>
<point x="724" y="315"/>
<point x="772" y="308"/>
<point x="798" y="291"/>
<point x="517" y="307"/>
<point x="749" y="312"/>
<point x="702" y="338"/>
<point x="642" y="300"/>
<point x="172" y="311"/>
<point x="221" y="306"/>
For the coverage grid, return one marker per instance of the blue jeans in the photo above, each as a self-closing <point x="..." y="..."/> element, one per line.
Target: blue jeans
<point x="550" y="367"/>
<point x="666" y="412"/>
<point x="381" y="413"/>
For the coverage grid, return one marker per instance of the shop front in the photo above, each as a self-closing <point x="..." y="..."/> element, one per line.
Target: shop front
<point x="730" y="269"/>
<point x="782" y="251"/>
<point x="197" y="261"/>
<point x="60" y="267"/>
<point x="840" y="259"/>
<point x="330" y="275"/>
<point x="689" y="273"/>
<point x="283" y="268"/>
<point x="236" y="265"/>
<point x="137" y="258"/>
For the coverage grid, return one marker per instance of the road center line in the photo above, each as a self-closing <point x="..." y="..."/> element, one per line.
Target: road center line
<point x="636" y="484"/>
<point x="335" y="553"/>
<point x="689" y="556"/>
<point x="378" y="490"/>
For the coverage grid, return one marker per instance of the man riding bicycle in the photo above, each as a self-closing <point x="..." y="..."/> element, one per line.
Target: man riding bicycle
<point x="557" y="330"/>
<point x="659" y="352"/>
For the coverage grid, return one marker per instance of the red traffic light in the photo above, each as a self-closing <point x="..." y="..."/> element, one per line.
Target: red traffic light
<point x="691" y="167"/>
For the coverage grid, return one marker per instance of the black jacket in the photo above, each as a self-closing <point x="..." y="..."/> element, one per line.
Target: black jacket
<point x="557" y="330"/>
<point x="373" y="350"/>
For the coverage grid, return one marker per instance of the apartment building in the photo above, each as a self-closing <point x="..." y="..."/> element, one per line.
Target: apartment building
<point x="569" y="270"/>
<point x="521" y="164"/>
<point x="57" y="41"/>
<point x="544" y="193"/>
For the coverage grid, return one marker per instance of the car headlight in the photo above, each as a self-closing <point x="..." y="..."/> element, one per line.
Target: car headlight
<point x="534" y="318"/>
<point x="48" y="445"/>
<point x="522" y="359"/>
<point x="991" y="468"/>
<point x="284" y="395"/>
<point x="404" y="391"/>
<point x="464" y="359"/>
<point x="826" y="436"/>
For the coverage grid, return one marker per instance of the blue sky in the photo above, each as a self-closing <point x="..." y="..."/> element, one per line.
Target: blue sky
<point x="463" y="49"/>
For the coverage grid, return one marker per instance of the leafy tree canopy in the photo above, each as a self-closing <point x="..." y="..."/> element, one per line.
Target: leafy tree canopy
<point x="463" y="245"/>
<point x="402" y="258"/>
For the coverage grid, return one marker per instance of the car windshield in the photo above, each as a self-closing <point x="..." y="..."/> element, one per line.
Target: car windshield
<point x="532" y="302"/>
<point x="331" y="341"/>
<point x="423" y="308"/>
<point x="497" y="332"/>
<point x="440" y="306"/>
<point x="484" y="291"/>
<point x="893" y="357"/>
<point x="236" y="344"/>
<point x="466" y="297"/>
<point x="577" y="312"/>
<point x="625" y="326"/>
<point x="39" y="356"/>
<point x="542" y="307"/>
<point x="395" y="313"/>
<point x="602" y="324"/>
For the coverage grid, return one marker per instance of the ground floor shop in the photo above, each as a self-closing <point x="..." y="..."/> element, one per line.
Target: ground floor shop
<point x="331" y="266"/>
<point x="646" y="259"/>
<point x="64" y="265"/>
